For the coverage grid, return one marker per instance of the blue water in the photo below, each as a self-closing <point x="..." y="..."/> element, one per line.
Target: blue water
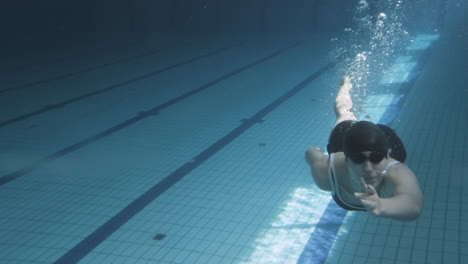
<point x="189" y="148"/>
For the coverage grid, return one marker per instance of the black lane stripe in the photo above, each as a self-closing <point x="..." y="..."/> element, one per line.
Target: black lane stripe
<point x="112" y="87"/>
<point x="89" y="69"/>
<point x="103" y="232"/>
<point x="80" y="52"/>
<point x="142" y="115"/>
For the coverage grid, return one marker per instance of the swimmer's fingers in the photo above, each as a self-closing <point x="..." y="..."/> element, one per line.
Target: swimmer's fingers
<point x="366" y="196"/>
<point x="370" y="202"/>
<point x="371" y="190"/>
<point x="363" y="183"/>
<point x="372" y="206"/>
<point x="361" y="196"/>
<point x="368" y="189"/>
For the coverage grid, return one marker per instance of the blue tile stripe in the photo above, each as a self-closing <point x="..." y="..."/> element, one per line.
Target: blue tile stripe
<point x="103" y="232"/>
<point x="321" y="240"/>
<point x="153" y="111"/>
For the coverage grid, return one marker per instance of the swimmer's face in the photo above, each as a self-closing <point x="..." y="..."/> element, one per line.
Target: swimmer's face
<point x="368" y="165"/>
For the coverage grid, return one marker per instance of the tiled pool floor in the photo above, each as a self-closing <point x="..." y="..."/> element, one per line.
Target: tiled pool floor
<point x="194" y="154"/>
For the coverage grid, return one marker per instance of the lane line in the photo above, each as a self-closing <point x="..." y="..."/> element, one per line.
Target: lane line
<point x="103" y="232"/>
<point x="142" y="115"/>
<point x="112" y="87"/>
<point x="85" y="70"/>
<point x="65" y="52"/>
<point x="322" y="238"/>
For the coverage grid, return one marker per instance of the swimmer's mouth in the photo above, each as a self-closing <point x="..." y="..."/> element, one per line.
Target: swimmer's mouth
<point x="369" y="180"/>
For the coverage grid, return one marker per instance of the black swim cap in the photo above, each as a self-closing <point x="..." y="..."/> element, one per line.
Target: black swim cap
<point x="365" y="136"/>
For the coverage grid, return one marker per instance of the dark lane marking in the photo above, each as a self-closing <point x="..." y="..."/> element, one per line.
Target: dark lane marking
<point x="321" y="240"/>
<point x="67" y="75"/>
<point x="82" y="50"/>
<point x="109" y="88"/>
<point x="103" y="232"/>
<point x="142" y="115"/>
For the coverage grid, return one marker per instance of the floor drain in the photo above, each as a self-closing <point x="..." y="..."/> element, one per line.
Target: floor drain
<point x="159" y="237"/>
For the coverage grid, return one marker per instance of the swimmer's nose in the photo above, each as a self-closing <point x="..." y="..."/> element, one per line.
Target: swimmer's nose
<point x="367" y="165"/>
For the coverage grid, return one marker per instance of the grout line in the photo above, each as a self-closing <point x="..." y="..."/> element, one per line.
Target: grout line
<point x="104" y="231"/>
<point x="109" y="88"/>
<point x="318" y="246"/>
<point x="75" y="49"/>
<point x="89" y="69"/>
<point x="153" y="111"/>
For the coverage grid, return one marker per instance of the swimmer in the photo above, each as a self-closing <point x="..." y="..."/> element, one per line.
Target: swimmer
<point x="364" y="167"/>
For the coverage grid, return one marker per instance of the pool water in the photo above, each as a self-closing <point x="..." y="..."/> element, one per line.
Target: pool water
<point x="190" y="149"/>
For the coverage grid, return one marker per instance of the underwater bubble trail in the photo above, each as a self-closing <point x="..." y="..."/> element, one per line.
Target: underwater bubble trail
<point x="374" y="39"/>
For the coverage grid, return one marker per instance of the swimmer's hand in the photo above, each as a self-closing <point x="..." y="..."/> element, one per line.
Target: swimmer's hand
<point x="370" y="199"/>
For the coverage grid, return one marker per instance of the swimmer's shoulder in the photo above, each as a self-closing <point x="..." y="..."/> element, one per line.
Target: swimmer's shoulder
<point x="401" y="177"/>
<point x="340" y="164"/>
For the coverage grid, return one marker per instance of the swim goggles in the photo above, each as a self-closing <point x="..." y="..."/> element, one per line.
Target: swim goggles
<point x="374" y="157"/>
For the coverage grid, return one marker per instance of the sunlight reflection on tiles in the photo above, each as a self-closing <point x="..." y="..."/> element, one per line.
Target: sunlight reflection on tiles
<point x="337" y="248"/>
<point x="404" y="59"/>
<point x="398" y="73"/>
<point x="382" y="100"/>
<point x="423" y="41"/>
<point x="288" y="234"/>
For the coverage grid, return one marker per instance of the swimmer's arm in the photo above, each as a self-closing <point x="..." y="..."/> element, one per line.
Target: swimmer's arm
<point x="407" y="201"/>
<point x="318" y="162"/>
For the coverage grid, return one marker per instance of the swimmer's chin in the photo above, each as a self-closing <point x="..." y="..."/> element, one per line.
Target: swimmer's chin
<point x="371" y="181"/>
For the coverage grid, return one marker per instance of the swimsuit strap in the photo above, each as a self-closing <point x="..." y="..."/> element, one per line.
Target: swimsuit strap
<point x="390" y="165"/>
